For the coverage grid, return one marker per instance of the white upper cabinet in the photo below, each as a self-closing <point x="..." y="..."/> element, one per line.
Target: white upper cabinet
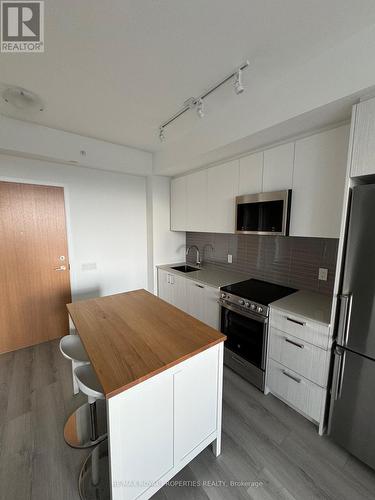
<point x="196" y="201"/>
<point x="318" y="184"/>
<point x="363" y="154"/>
<point x="222" y="183"/>
<point x="278" y="168"/>
<point x="178" y="204"/>
<point x="251" y="174"/>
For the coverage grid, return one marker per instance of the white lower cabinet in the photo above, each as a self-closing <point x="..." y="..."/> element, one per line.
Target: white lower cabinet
<point x="296" y="390"/>
<point x="198" y="300"/>
<point x="164" y="286"/>
<point x="158" y="426"/>
<point x="141" y="453"/>
<point x="195" y="300"/>
<point x="195" y="403"/>
<point x="310" y="361"/>
<point x="172" y="289"/>
<point x="298" y="363"/>
<point x="202" y="303"/>
<point x="212" y="315"/>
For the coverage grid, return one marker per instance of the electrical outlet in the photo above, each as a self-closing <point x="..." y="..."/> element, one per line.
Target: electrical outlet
<point x="230" y="258"/>
<point x="323" y="274"/>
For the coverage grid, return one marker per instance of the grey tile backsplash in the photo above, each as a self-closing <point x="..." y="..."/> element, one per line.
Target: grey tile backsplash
<point x="285" y="260"/>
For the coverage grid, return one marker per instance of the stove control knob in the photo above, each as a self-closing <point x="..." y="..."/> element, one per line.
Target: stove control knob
<point x="223" y="295"/>
<point x="241" y="302"/>
<point x="247" y="304"/>
<point x="253" y="307"/>
<point x="260" y="309"/>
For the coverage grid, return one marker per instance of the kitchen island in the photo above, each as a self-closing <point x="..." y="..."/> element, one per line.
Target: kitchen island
<point x="161" y="371"/>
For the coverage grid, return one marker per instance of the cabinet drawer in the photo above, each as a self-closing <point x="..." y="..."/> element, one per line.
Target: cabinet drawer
<point x="300" y="327"/>
<point x="306" y="359"/>
<point x="300" y="393"/>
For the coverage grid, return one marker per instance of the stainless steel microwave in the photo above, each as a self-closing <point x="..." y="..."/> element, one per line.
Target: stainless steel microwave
<point x="264" y="213"/>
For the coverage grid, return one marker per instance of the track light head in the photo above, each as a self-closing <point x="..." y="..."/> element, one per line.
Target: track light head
<point x="161" y="134"/>
<point x="238" y="85"/>
<point x="200" y="110"/>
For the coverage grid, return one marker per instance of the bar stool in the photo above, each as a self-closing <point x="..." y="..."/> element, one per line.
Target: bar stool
<point x="72" y="348"/>
<point x="87" y="426"/>
<point x="93" y="482"/>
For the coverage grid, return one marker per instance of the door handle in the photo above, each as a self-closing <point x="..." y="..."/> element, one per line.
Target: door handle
<point x="344" y="320"/>
<point x="61" y="268"/>
<point x="339" y="372"/>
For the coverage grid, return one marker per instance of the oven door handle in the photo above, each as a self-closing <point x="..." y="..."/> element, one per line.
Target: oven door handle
<point x="247" y="314"/>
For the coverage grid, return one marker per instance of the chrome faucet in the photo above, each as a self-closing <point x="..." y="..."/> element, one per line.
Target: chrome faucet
<point x="198" y="260"/>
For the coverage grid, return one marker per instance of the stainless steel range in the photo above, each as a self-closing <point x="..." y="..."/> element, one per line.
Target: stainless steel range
<point x="244" y="320"/>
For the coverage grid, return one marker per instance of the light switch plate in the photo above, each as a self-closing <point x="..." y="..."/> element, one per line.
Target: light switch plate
<point x="323" y="274"/>
<point x="230" y="258"/>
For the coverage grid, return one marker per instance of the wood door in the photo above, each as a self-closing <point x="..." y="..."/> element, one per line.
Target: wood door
<point x="32" y="240"/>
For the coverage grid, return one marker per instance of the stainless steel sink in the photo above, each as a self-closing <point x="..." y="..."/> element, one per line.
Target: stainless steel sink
<point x="185" y="269"/>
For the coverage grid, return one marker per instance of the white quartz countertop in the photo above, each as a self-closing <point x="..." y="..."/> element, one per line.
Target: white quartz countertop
<point x="311" y="305"/>
<point x="208" y="275"/>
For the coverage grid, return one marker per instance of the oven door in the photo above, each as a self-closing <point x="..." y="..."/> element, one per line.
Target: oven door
<point x="246" y="334"/>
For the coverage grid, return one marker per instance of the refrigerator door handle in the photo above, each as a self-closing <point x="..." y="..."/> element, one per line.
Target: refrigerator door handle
<point x="339" y="368"/>
<point x="346" y="302"/>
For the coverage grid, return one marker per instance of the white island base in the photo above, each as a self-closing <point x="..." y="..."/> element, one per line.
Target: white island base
<point x="158" y="426"/>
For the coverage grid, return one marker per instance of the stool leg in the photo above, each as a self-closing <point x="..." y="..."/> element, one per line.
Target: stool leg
<point x="93" y="419"/>
<point x="75" y="385"/>
<point x="95" y="477"/>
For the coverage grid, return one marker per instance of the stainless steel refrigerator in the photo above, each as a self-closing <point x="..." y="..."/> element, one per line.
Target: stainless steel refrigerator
<point x="352" y="414"/>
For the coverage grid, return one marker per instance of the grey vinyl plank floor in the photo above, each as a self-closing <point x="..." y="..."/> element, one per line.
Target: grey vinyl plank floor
<point x="269" y="452"/>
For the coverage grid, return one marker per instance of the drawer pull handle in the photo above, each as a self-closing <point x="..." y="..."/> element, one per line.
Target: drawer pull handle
<point x="199" y="286"/>
<point x="301" y="323"/>
<point x="296" y="379"/>
<point x="301" y="346"/>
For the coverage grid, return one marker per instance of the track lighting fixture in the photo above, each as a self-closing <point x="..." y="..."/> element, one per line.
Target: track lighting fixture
<point x="200" y="111"/>
<point x="238" y="86"/>
<point x="197" y="102"/>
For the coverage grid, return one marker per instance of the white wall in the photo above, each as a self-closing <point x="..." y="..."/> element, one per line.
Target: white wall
<point x="164" y="246"/>
<point x="21" y="137"/>
<point x="107" y="222"/>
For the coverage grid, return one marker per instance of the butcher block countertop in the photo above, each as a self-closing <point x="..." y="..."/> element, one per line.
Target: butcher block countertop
<point x="130" y="337"/>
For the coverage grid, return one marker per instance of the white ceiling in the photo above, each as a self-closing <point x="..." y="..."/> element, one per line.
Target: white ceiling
<point x="115" y="70"/>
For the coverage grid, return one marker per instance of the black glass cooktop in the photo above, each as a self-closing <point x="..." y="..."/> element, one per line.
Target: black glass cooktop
<point x="258" y="291"/>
